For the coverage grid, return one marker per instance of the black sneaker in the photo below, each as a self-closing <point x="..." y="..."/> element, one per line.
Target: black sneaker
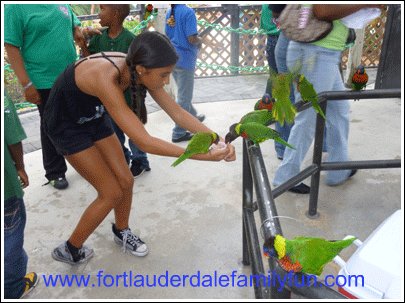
<point x="186" y="137"/>
<point x="300" y="189"/>
<point x="60" y="183"/>
<point x="130" y="241"/>
<point x="31" y="280"/>
<point x="138" y="168"/>
<point x="201" y="117"/>
<point x="63" y="254"/>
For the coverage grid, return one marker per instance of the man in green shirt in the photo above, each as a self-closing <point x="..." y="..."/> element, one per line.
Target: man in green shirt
<point x="17" y="283"/>
<point x="39" y="40"/>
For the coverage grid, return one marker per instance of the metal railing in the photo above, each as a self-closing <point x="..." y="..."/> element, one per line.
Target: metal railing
<point x="254" y="174"/>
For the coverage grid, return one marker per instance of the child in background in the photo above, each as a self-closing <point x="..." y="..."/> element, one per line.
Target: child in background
<point x="116" y="38"/>
<point x="17" y="282"/>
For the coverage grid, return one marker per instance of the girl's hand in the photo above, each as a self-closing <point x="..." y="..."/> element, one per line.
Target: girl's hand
<point x="217" y="153"/>
<point x="231" y="156"/>
<point x="32" y="95"/>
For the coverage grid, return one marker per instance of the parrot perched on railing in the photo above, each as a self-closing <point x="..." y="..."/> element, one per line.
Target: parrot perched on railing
<point x="308" y="94"/>
<point x="304" y="254"/>
<point x="359" y="78"/>
<point x="255" y="132"/>
<point x="199" y="144"/>
<point x="266" y="102"/>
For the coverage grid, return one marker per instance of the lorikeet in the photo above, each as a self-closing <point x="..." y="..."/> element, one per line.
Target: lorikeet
<point x="266" y="102"/>
<point x="308" y="93"/>
<point x="199" y="144"/>
<point x="263" y="117"/>
<point x="283" y="109"/>
<point x="304" y="254"/>
<point x="254" y="131"/>
<point x="148" y="11"/>
<point x="360" y="78"/>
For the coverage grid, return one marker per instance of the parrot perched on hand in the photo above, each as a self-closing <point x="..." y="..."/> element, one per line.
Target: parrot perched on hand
<point x="266" y="102"/>
<point x="254" y="131"/>
<point x="308" y="93"/>
<point x="263" y="117"/>
<point x="359" y="78"/>
<point x="199" y="144"/>
<point x="304" y="254"/>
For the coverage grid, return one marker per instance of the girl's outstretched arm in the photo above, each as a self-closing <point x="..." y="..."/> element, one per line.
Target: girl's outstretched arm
<point x="113" y="99"/>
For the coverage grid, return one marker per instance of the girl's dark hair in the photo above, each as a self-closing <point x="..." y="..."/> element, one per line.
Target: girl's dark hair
<point x="150" y="50"/>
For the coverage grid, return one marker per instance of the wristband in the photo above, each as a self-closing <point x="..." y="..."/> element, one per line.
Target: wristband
<point x="28" y="85"/>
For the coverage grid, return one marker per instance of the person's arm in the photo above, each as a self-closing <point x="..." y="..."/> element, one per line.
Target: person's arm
<point x="195" y="40"/>
<point x="184" y="118"/>
<point x="113" y="98"/>
<point x="330" y="12"/>
<point x="17" y="64"/>
<point x="16" y="152"/>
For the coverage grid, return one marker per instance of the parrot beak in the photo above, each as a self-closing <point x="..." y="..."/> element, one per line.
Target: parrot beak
<point x="229" y="138"/>
<point x="232" y="135"/>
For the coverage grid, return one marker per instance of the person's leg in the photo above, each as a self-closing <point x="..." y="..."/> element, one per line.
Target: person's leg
<point x="15" y="258"/>
<point x="122" y="233"/>
<point x="121" y="137"/>
<point x="54" y="163"/>
<point x="112" y="189"/>
<point x="280" y="54"/>
<point x="139" y="162"/>
<point x="185" y="86"/>
<point x="270" y="54"/>
<point x="318" y="66"/>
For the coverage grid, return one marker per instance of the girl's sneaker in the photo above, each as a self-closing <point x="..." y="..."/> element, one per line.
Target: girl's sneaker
<point x="63" y="254"/>
<point x="130" y="241"/>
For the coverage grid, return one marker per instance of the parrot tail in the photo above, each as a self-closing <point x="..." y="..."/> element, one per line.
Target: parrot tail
<point x="341" y="244"/>
<point x="279" y="140"/>
<point x="181" y="159"/>
<point x="318" y="109"/>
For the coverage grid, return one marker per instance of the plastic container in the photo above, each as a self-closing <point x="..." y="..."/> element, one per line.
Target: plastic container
<point x="379" y="260"/>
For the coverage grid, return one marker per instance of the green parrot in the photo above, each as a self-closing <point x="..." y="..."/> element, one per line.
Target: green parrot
<point x="199" y="144"/>
<point x="266" y="102"/>
<point x="308" y="93"/>
<point x="254" y="131"/>
<point x="283" y="109"/>
<point x="304" y="254"/>
<point x="263" y="117"/>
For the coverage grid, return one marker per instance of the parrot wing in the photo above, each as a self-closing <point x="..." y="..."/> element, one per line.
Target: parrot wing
<point x="314" y="253"/>
<point x="308" y="93"/>
<point x="259" y="133"/>
<point x="263" y="117"/>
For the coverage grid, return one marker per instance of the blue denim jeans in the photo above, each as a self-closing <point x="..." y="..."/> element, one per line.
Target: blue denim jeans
<point x="15" y="258"/>
<point x="271" y="59"/>
<point x="135" y="153"/>
<point x="321" y="67"/>
<point x="185" y="86"/>
<point x="281" y="62"/>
